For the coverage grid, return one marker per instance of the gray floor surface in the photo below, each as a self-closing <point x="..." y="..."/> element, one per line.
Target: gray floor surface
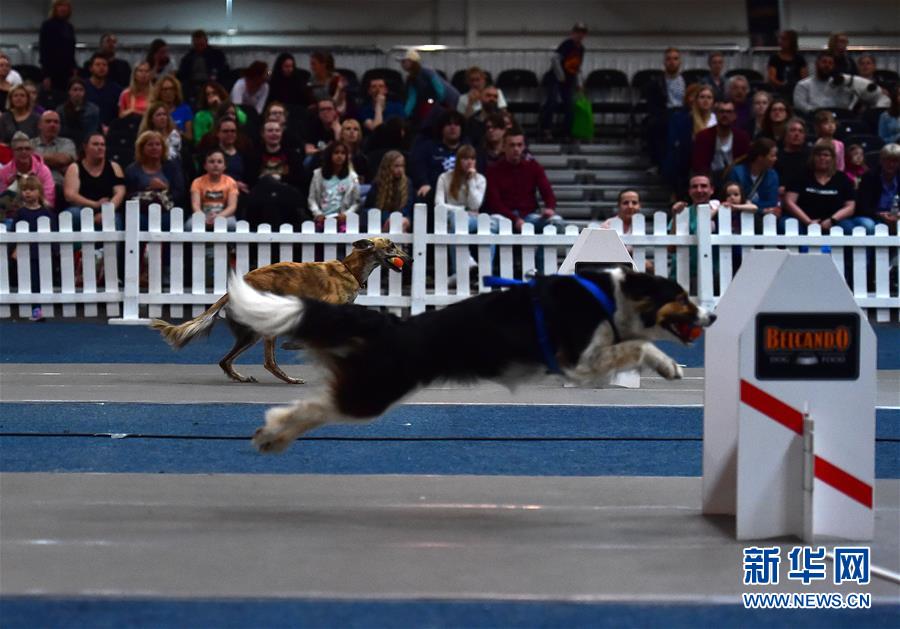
<point x="365" y="537"/>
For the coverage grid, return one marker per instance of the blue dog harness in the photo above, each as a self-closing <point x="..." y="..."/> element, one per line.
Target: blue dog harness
<point x="543" y="337"/>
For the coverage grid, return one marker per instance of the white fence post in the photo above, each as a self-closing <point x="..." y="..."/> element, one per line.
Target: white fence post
<point x="704" y="256"/>
<point x="130" y="304"/>
<point x="419" y="251"/>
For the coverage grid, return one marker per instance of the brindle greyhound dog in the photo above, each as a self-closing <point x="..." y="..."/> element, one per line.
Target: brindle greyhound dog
<point x="334" y="282"/>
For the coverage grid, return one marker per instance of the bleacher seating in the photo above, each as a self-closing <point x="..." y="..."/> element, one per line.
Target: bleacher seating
<point x="521" y="89"/>
<point x="694" y="75"/>
<point x="749" y="73"/>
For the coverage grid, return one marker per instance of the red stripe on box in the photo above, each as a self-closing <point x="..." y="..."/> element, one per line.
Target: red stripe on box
<point x="843" y="482"/>
<point x="771" y="407"/>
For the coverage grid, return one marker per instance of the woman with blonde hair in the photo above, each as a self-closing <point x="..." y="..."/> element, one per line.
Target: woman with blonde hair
<point x="152" y="178"/>
<point x="19" y="115"/>
<point x="157" y="118"/>
<point x="392" y="190"/>
<point x="135" y="98"/>
<point x="702" y="109"/>
<point x="168" y="92"/>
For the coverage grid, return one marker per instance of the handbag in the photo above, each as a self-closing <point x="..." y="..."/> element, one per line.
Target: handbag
<point x="149" y="197"/>
<point x="582" y="118"/>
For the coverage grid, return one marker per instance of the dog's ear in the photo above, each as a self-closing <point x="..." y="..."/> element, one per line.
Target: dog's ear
<point x="363" y="244"/>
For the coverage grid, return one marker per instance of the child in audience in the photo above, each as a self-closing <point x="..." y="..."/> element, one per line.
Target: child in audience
<point x="735" y="201"/>
<point x="826" y="126"/>
<point x="856" y="164"/>
<point x="31" y="206"/>
<point x="334" y="190"/>
<point x="215" y="193"/>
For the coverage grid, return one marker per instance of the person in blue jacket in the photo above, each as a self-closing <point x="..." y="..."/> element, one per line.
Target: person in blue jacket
<point x="757" y="177"/>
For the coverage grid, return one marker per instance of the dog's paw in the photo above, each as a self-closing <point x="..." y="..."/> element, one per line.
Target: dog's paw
<point x="274" y="435"/>
<point x="670" y="370"/>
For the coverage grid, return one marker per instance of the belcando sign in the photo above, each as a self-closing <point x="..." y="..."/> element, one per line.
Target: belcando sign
<point x="805" y="346"/>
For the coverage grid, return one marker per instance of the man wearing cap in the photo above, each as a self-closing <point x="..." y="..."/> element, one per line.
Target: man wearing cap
<point x="563" y="79"/>
<point x="425" y="88"/>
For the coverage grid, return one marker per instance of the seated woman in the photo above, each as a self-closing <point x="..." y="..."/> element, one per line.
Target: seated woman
<point x="775" y="122"/>
<point x="758" y="180"/>
<point x="168" y="92"/>
<point x="19" y="115"/>
<point x="214" y="194"/>
<point x="157" y="118"/>
<point x="151" y="178"/>
<point x="211" y="98"/>
<point x="135" y="98"/>
<point x="287" y="85"/>
<point x="824" y="195"/>
<point x="93" y="181"/>
<point x="392" y="190"/>
<point x="334" y="191"/>
<point x="628" y="205"/>
<point x="79" y="117"/>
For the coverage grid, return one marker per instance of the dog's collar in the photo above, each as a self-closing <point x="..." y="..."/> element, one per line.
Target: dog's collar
<point x="353" y="275"/>
<point x="608" y="305"/>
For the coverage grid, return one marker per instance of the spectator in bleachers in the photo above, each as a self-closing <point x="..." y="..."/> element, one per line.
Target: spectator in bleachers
<point x="32" y="88"/>
<point x="716" y="78"/>
<point x="30" y="206"/>
<point x="700" y="191"/>
<point x="563" y="80"/>
<point x="57" y="152"/>
<point x="879" y="189"/>
<point x="286" y="85"/>
<point x="817" y="91"/>
<point x="462" y="186"/>
<point x="277" y="160"/>
<point x="101" y="91"/>
<point x="57" y="47"/>
<point x="202" y="64"/>
<point x="157" y="118"/>
<point x="19" y="115"/>
<point x="23" y="164"/>
<point x="664" y="95"/>
<point x="787" y="67"/>
<point x="135" y="98"/>
<point x="774" y="124"/>
<point x="235" y="146"/>
<point x="432" y="156"/>
<point x="826" y="126"/>
<point x="837" y="46"/>
<point x="737" y="89"/>
<point x="151" y="178"/>
<point x="491" y="147"/>
<point x="513" y="185"/>
<point x="9" y="78"/>
<point x="378" y="107"/>
<point x="351" y="135"/>
<point x="425" y="90"/>
<point x="168" y="92"/>
<point x="470" y="103"/>
<point x="92" y="181"/>
<point x="393" y="135"/>
<point x="866" y="66"/>
<point x="761" y="102"/>
<point x="276" y="112"/>
<point x="324" y="129"/>
<point x="889" y="120"/>
<point x="684" y="124"/>
<point x="252" y="91"/>
<point x="793" y="156"/>
<point x="211" y="98"/>
<point x="392" y="190"/>
<point x="214" y="194"/>
<point x="716" y="148"/>
<point x="628" y="204"/>
<point x="757" y="177"/>
<point x="824" y="195"/>
<point x="325" y="82"/>
<point x="489" y="105"/>
<point x="855" y="167"/>
<point x="334" y="191"/>
<point x="79" y="117"/>
<point x="119" y="69"/>
<point x="160" y="61"/>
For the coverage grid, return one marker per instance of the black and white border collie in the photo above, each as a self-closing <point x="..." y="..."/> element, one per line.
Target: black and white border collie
<point x="376" y="359"/>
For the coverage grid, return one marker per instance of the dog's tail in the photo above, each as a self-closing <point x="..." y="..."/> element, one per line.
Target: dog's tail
<point x="318" y="324"/>
<point x="180" y="335"/>
<point x="268" y="314"/>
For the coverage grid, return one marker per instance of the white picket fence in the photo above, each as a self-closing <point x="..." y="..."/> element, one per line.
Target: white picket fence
<point x="212" y="254"/>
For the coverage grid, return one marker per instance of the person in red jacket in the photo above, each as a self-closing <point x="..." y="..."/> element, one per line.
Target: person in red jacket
<point x="512" y="183"/>
<point x="716" y="148"/>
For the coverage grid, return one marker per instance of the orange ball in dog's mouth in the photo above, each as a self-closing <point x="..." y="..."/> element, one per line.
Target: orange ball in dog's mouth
<point x="397" y="262"/>
<point x="689" y="332"/>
